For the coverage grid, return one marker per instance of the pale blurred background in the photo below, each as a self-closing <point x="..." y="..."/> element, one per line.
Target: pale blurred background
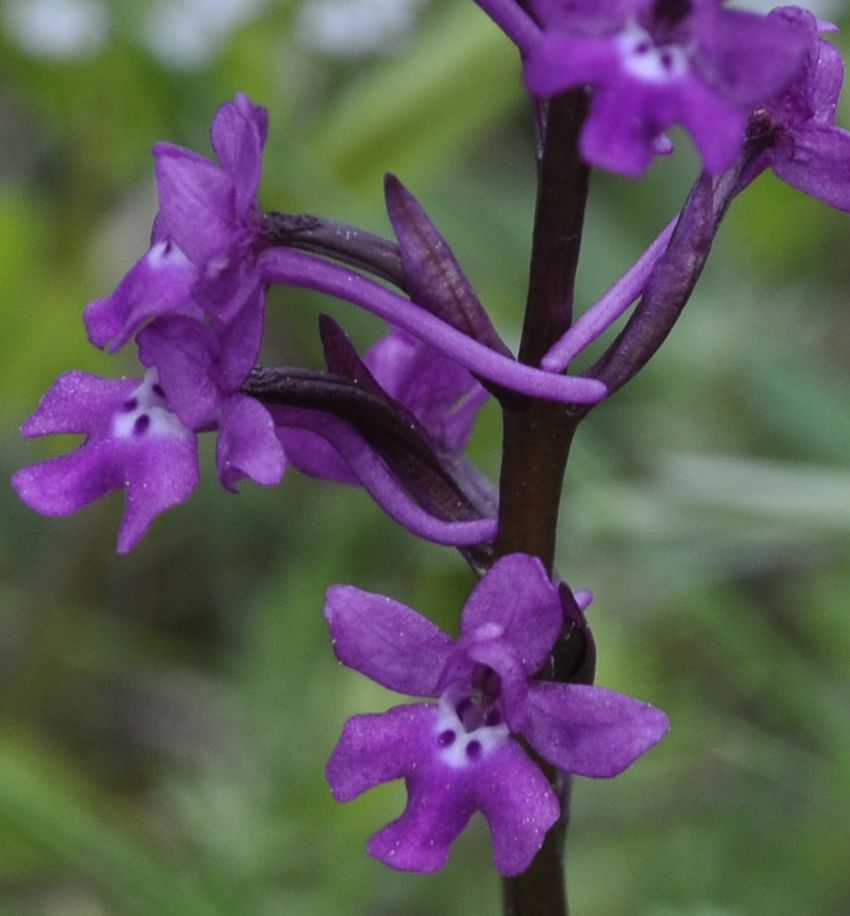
<point x="165" y="717"/>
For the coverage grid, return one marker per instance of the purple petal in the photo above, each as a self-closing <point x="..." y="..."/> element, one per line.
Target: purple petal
<point x="749" y="57"/>
<point x="238" y="134"/>
<point x="78" y="402"/>
<point x="196" y="202"/>
<point x="377" y="748"/>
<point x="583" y="598"/>
<point x="441" y="394"/>
<point x="517" y="595"/>
<point x="560" y="61"/>
<point x="247" y="445"/>
<point x="387" y="641"/>
<point x="183" y="351"/>
<point x="501" y="656"/>
<point x="158" y="476"/>
<point x="240" y="341"/>
<point x="825" y="83"/>
<point x="440" y="803"/>
<point x="519" y="805"/>
<point x="314" y="455"/>
<point x="610" y="141"/>
<point x="590" y="731"/>
<point x="160" y="283"/>
<point x="62" y="485"/>
<point x="716" y="125"/>
<point x="817" y="161"/>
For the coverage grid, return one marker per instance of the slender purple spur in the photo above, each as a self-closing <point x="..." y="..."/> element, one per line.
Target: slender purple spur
<point x="459" y="755"/>
<point x="296" y="268"/>
<point x="602" y="314"/>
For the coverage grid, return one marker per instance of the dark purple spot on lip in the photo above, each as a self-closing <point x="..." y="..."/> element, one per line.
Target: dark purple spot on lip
<point x="643" y="48"/>
<point x="666" y="60"/>
<point x="130" y="405"/>
<point x="494" y="717"/>
<point x="446" y="738"/>
<point x="141" y="424"/>
<point x="157" y="390"/>
<point x="473" y="750"/>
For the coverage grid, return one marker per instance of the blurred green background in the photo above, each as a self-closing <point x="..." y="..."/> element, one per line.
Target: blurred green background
<point x="165" y="717"/>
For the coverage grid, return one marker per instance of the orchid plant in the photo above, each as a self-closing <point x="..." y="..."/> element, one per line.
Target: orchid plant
<point x="508" y="711"/>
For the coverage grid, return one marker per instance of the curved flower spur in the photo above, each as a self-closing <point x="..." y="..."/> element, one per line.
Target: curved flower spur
<point x="460" y="755"/>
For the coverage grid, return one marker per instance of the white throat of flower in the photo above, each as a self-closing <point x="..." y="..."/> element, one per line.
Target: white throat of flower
<point x="459" y="747"/>
<point x="146" y="414"/>
<point x="642" y="59"/>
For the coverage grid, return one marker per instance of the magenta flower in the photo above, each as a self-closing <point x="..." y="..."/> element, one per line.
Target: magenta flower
<point x="201" y="367"/>
<point x="807" y="150"/>
<point x="134" y="441"/>
<point x="204" y="238"/>
<point x="458" y="756"/>
<point x="655" y="63"/>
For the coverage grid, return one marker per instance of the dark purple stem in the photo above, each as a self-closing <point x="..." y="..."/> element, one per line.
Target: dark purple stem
<point x="537" y="434"/>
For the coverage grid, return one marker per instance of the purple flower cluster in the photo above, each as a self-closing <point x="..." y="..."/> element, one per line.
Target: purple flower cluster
<point x="460" y="755"/>
<point x="652" y="64"/>
<point x="195" y="305"/>
<point x="755" y="92"/>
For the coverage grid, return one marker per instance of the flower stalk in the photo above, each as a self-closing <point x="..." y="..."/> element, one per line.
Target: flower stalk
<point x="537" y="434"/>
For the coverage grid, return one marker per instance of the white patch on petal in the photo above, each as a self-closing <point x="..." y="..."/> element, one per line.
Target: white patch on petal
<point x="166" y="254"/>
<point x="488" y="631"/>
<point x="146" y="414"/>
<point x="648" y="62"/>
<point x="456" y="754"/>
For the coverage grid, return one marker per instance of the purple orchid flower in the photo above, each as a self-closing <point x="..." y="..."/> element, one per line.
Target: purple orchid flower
<point x="205" y="235"/>
<point x="807" y="150"/>
<point x="458" y="756"/>
<point x="201" y="367"/>
<point x="655" y="63"/>
<point x="134" y="441"/>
